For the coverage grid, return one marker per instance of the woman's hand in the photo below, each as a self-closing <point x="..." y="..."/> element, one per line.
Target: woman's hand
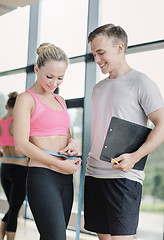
<point x="1" y="154"/>
<point x="71" y="149"/>
<point x="67" y="166"/>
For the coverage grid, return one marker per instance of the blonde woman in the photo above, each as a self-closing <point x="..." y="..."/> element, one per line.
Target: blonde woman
<point x="13" y="172"/>
<point x="42" y="131"/>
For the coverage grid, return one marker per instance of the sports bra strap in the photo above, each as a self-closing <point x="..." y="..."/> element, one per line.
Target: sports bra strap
<point x="35" y="96"/>
<point x="59" y="100"/>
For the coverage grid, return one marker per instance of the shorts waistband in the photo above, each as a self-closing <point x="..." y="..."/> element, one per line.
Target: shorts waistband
<point x="12" y="156"/>
<point x="41" y="172"/>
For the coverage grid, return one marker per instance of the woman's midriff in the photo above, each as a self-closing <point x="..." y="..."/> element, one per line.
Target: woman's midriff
<point x="51" y="143"/>
<point x="10" y="150"/>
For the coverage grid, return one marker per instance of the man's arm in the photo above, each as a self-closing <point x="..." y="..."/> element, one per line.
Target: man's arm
<point x="153" y="141"/>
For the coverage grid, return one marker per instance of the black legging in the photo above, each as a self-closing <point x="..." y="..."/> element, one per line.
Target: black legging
<point x="50" y="196"/>
<point x="13" y="180"/>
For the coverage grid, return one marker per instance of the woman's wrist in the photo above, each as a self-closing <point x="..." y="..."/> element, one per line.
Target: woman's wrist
<point x="1" y="154"/>
<point x="70" y="140"/>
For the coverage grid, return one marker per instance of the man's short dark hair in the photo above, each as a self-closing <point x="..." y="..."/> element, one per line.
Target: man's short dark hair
<point x="110" y="30"/>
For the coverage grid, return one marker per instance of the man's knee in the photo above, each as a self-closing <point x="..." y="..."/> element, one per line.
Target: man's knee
<point x="104" y="236"/>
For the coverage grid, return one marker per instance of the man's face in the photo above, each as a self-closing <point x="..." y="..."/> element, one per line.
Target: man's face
<point x="106" y="53"/>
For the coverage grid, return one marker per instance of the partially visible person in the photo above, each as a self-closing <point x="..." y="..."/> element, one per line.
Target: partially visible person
<point x="113" y="191"/>
<point x="41" y="131"/>
<point x="13" y="172"/>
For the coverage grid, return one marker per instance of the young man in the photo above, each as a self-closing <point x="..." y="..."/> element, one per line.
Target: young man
<point x="113" y="191"/>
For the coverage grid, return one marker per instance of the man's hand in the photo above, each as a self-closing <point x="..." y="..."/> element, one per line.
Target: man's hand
<point x="126" y="162"/>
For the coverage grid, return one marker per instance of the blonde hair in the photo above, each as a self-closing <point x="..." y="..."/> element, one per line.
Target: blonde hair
<point x="12" y="98"/>
<point x="47" y="52"/>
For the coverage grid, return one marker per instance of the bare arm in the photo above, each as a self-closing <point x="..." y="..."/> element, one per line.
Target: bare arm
<point x="153" y="141"/>
<point x="1" y="152"/>
<point x="21" y="128"/>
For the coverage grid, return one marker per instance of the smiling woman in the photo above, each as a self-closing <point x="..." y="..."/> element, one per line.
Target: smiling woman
<point x="41" y="122"/>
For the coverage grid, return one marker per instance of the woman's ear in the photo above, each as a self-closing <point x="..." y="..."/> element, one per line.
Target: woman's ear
<point x="36" y="68"/>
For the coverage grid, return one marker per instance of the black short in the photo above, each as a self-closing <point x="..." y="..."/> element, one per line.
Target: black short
<point x="111" y="206"/>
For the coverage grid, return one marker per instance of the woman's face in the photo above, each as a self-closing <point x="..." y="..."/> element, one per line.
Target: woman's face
<point x="51" y="75"/>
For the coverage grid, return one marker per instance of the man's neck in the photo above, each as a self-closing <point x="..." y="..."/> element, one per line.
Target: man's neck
<point x="121" y="70"/>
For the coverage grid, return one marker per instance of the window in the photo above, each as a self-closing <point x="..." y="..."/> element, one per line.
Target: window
<point x="142" y="20"/>
<point x="14" y="39"/>
<point x="76" y="127"/>
<point x="13" y="83"/>
<point x="73" y="84"/>
<point x="64" y="23"/>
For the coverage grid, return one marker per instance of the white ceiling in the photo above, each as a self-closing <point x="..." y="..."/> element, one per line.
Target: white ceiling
<point x="9" y="5"/>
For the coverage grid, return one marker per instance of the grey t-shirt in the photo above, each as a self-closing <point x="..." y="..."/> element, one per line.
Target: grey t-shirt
<point x="131" y="97"/>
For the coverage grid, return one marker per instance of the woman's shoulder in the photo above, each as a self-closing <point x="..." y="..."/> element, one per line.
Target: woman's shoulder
<point x="25" y="95"/>
<point x="25" y="99"/>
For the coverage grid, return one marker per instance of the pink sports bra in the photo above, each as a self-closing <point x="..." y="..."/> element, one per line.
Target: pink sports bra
<point x="46" y="121"/>
<point x="6" y="139"/>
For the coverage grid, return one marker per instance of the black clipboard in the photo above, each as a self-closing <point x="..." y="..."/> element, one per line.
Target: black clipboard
<point x="124" y="137"/>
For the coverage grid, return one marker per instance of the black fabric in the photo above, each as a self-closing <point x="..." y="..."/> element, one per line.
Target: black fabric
<point x="13" y="180"/>
<point x="111" y="206"/>
<point x="124" y="137"/>
<point x="50" y="196"/>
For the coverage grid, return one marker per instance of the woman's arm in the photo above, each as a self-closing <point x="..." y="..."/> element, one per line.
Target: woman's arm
<point x="21" y="127"/>
<point x="1" y="152"/>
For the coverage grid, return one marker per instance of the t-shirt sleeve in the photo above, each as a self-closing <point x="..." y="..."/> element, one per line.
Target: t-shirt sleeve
<point x="149" y="95"/>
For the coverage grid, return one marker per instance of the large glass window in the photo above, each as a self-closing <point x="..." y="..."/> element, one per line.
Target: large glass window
<point x="142" y="20"/>
<point x="76" y="127"/>
<point x="3" y="100"/>
<point x="73" y="84"/>
<point x="64" y="23"/>
<point x="14" y="39"/>
<point x="11" y="83"/>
